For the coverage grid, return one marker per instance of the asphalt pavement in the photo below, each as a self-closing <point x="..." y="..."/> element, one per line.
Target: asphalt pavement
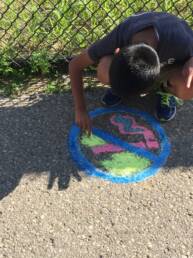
<point x="50" y="208"/>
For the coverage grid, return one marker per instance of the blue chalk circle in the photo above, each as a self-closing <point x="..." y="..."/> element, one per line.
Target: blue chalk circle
<point x="157" y="160"/>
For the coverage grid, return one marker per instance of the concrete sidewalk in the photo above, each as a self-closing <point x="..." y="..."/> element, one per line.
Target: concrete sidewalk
<point x="49" y="208"/>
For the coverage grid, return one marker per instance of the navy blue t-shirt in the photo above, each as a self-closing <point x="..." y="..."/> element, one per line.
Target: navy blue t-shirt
<point x="175" y="37"/>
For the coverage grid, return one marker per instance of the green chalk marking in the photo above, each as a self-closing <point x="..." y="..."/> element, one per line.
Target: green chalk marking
<point x="125" y="164"/>
<point x="120" y="164"/>
<point x="92" y="141"/>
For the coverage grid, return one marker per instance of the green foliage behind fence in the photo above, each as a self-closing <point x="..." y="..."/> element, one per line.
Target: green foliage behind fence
<point x="41" y="29"/>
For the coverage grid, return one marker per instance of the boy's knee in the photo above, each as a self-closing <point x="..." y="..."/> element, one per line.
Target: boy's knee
<point x="184" y="94"/>
<point x="103" y="69"/>
<point x="178" y="86"/>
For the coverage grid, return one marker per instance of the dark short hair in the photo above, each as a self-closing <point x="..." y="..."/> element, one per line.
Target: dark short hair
<point x="134" y="70"/>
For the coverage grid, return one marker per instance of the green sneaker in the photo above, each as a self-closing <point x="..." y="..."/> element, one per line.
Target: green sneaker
<point x="166" y="106"/>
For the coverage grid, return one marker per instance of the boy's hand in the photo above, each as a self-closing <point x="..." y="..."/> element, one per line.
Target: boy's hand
<point x="83" y="120"/>
<point x="76" y="67"/>
<point x="188" y="72"/>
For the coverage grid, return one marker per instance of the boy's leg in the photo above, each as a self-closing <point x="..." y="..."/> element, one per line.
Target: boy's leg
<point x="177" y="86"/>
<point x="108" y="99"/>
<point x="103" y="69"/>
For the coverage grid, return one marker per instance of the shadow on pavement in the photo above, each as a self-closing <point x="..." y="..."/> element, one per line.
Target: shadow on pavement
<point x="33" y="138"/>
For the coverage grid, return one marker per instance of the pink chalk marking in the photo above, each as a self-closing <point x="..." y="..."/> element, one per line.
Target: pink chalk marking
<point x="108" y="148"/>
<point x="139" y="144"/>
<point x="150" y="139"/>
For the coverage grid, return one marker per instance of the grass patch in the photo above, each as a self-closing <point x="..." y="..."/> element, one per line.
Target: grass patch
<point x="53" y="27"/>
<point x="40" y="31"/>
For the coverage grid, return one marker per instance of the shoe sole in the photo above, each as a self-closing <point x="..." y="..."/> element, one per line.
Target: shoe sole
<point x="164" y="120"/>
<point x="114" y="105"/>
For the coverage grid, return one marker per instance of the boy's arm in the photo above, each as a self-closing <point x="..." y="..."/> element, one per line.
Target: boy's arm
<point x="76" y="67"/>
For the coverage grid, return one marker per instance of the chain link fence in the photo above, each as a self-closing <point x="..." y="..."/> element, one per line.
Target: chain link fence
<point x="50" y="29"/>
